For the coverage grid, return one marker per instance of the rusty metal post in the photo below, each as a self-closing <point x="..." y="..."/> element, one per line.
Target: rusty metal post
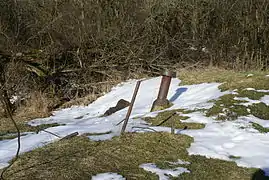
<point x="161" y="101"/>
<point x="130" y="107"/>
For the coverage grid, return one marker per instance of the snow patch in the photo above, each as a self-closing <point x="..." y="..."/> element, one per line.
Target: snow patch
<point x="265" y="100"/>
<point x="232" y="138"/>
<point x="249" y="101"/>
<point x="164" y="173"/>
<point x="108" y="176"/>
<point x="179" y="162"/>
<point x="257" y="90"/>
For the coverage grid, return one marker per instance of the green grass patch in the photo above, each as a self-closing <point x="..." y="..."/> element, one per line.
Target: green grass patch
<point x="260" y="110"/>
<point x="251" y="94"/>
<point x="227" y="108"/>
<point x="80" y="158"/>
<point x="260" y="128"/>
<point x="166" y="118"/>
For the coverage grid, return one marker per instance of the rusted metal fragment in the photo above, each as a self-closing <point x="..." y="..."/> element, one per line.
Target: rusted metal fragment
<point x="161" y="102"/>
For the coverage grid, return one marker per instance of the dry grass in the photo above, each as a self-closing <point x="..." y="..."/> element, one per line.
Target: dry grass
<point x="8" y="131"/>
<point x="231" y="79"/>
<point x="37" y="105"/>
<point x="80" y="158"/>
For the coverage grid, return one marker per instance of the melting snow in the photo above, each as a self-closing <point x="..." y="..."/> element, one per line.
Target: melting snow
<point x="258" y="90"/>
<point x="224" y="139"/>
<point x="164" y="173"/>
<point x="249" y="101"/>
<point x="108" y="176"/>
<point x="216" y="140"/>
<point x="179" y="162"/>
<point x="265" y="99"/>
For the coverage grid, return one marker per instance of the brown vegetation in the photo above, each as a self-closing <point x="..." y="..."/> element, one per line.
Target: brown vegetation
<point x="69" y="49"/>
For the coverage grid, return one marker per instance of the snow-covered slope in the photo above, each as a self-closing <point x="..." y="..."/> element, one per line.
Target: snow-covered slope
<point x="217" y="140"/>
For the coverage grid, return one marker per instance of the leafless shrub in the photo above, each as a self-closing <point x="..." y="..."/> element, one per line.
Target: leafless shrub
<point x="77" y="43"/>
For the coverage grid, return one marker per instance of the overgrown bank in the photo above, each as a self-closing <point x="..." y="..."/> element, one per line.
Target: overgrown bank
<point x="65" y="49"/>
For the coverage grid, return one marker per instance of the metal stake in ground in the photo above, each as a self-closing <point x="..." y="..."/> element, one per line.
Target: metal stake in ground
<point x="161" y="102"/>
<point x="130" y="107"/>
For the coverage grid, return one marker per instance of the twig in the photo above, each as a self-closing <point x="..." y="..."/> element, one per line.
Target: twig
<point x="50" y="133"/>
<point x="120" y="122"/>
<point x="8" y="108"/>
<point x="144" y="128"/>
<point x="70" y="136"/>
<point x="167" y="119"/>
<point x="61" y="138"/>
<point x="173" y="126"/>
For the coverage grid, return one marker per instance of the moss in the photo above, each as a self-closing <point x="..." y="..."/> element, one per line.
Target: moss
<point x="251" y="94"/>
<point x="260" y="128"/>
<point x="227" y="108"/>
<point x="234" y="157"/>
<point x="260" y="110"/>
<point x="159" y="108"/>
<point x="166" y="118"/>
<point x="239" y="110"/>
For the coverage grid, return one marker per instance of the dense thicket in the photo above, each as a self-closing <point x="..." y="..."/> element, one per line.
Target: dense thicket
<point x="64" y="43"/>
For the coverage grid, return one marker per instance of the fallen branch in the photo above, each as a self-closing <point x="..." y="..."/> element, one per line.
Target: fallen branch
<point x="69" y="136"/>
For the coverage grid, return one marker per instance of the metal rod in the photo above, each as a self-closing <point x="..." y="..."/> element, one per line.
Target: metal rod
<point x="130" y="107"/>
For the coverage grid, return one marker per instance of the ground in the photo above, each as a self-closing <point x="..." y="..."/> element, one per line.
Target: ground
<point x="220" y="132"/>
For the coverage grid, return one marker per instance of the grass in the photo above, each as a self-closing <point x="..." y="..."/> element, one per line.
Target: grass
<point x="166" y="118"/>
<point x="231" y="79"/>
<point x="161" y="107"/>
<point x="122" y="155"/>
<point x="81" y="158"/>
<point x="8" y="131"/>
<point x="5" y="136"/>
<point x="227" y="108"/>
<point x="251" y="94"/>
<point x="260" y="110"/>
